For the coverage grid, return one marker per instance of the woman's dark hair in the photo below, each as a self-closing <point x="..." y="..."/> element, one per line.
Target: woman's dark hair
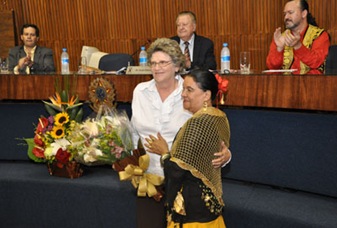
<point x="37" y="31"/>
<point x="205" y="80"/>
<point x="305" y="6"/>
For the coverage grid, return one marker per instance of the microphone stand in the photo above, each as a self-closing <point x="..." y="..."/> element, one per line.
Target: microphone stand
<point x="147" y="42"/>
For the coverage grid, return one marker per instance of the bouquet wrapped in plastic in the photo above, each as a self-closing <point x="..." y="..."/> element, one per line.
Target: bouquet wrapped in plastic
<point x="104" y="139"/>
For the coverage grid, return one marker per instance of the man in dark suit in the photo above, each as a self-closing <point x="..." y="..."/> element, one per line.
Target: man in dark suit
<point x="30" y="58"/>
<point x="199" y="50"/>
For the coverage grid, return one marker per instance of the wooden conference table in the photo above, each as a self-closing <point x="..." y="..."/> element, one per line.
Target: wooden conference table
<point x="309" y="92"/>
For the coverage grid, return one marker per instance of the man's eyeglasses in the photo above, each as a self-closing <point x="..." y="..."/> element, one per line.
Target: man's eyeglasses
<point x="160" y="63"/>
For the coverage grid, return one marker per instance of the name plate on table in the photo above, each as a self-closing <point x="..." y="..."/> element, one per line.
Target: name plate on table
<point x="138" y="70"/>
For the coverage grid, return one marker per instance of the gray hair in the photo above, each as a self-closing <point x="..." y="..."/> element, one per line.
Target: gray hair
<point x="170" y="47"/>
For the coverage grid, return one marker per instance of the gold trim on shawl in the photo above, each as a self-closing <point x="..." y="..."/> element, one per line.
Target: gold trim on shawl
<point x="190" y="152"/>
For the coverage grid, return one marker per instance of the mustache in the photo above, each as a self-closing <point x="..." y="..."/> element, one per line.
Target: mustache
<point x="288" y="20"/>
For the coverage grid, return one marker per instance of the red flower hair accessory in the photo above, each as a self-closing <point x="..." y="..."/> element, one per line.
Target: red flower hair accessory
<point x="222" y="89"/>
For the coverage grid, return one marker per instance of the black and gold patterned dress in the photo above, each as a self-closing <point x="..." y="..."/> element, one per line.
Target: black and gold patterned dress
<point x="189" y="172"/>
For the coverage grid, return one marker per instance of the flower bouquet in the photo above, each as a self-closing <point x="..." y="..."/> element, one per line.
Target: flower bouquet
<point x="102" y="140"/>
<point x="51" y="141"/>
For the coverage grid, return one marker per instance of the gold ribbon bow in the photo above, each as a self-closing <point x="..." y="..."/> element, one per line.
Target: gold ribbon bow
<point x="145" y="182"/>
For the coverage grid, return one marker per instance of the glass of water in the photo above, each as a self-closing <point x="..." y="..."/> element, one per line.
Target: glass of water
<point x="4" y="66"/>
<point x="245" y="62"/>
<point x="83" y="65"/>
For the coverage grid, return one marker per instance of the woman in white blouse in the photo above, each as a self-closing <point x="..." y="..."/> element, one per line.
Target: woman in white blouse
<point x="157" y="107"/>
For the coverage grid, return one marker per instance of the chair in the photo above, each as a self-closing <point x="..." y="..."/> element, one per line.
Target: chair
<point x="114" y="62"/>
<point x="95" y="58"/>
<point x="331" y="60"/>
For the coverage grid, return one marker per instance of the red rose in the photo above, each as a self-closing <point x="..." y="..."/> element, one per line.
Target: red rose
<point x="38" y="152"/>
<point x="42" y="125"/>
<point x="62" y="156"/>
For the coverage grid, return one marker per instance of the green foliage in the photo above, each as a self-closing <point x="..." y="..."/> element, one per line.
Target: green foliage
<point x="30" y="143"/>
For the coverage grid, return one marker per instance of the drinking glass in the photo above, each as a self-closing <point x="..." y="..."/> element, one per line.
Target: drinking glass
<point x="245" y="62"/>
<point x="83" y="65"/>
<point x="5" y="66"/>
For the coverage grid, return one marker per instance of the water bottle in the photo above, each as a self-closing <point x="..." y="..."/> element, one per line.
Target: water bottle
<point x="142" y="57"/>
<point x="64" y="62"/>
<point x="225" y="59"/>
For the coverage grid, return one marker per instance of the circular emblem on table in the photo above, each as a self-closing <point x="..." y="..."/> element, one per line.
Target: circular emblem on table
<point x="101" y="93"/>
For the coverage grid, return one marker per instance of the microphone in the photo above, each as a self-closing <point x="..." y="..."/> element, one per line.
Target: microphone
<point x="148" y="41"/>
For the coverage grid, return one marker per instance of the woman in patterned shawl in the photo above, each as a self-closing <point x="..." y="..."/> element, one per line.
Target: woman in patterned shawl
<point x="193" y="185"/>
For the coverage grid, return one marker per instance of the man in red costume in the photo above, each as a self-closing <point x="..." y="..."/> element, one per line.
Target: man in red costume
<point x="303" y="45"/>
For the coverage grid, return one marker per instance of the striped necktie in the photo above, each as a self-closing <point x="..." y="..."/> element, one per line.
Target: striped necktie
<point x="187" y="55"/>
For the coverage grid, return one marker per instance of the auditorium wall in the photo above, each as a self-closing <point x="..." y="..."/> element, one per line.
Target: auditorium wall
<point x="116" y="26"/>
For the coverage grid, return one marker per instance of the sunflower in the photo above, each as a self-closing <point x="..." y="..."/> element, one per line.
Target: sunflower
<point x="61" y="119"/>
<point x="57" y="132"/>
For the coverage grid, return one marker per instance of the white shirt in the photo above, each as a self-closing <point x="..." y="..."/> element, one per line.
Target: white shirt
<point x="150" y="115"/>
<point x="190" y="46"/>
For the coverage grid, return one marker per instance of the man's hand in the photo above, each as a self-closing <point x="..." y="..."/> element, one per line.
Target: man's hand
<point x="24" y="62"/>
<point x="279" y="39"/>
<point x="222" y="157"/>
<point x="293" y="39"/>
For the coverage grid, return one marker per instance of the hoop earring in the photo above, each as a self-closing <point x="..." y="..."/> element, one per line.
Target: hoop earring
<point x="205" y="106"/>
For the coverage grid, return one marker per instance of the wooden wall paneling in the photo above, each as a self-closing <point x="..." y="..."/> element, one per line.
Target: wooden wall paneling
<point x="55" y="25"/>
<point x="100" y="25"/>
<point x="208" y="21"/>
<point x="250" y="22"/>
<point x="204" y="16"/>
<point x="318" y="9"/>
<point x="233" y="20"/>
<point x="17" y="9"/>
<point x="118" y="26"/>
<point x="80" y="20"/>
<point x="87" y="26"/>
<point x="331" y="20"/>
<point x="169" y="16"/>
<point x="221" y="17"/>
<point x="7" y="27"/>
<point x="116" y="17"/>
<point x="156" y="28"/>
<point x="132" y="20"/>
